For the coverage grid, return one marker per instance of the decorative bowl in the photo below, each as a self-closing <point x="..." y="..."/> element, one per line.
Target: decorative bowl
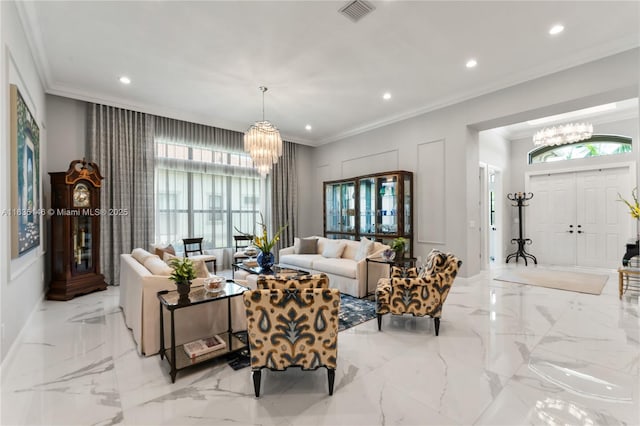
<point x="388" y="254"/>
<point x="214" y="284"/>
<point x="251" y="251"/>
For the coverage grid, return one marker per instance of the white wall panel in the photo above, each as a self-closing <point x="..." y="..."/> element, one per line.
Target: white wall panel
<point x="430" y="193"/>
<point x="370" y="163"/>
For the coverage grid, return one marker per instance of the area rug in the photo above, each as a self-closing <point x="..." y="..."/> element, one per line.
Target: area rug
<point x="353" y="311"/>
<point x="562" y="280"/>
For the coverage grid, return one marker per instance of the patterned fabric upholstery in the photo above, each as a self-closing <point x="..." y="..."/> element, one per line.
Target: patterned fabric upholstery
<point x="292" y="322"/>
<point x="419" y="296"/>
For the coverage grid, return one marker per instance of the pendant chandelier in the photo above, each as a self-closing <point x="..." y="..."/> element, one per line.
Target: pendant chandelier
<point x="263" y="142"/>
<point x="563" y="134"/>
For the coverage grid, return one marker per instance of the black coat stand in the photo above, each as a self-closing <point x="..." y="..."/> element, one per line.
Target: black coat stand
<point x="520" y="198"/>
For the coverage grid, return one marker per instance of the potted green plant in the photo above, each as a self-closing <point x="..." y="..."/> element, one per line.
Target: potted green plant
<point x="399" y="245"/>
<point x="183" y="273"/>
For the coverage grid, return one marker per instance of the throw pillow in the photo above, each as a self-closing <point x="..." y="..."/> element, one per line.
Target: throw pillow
<point x="198" y="265"/>
<point x="333" y="249"/>
<point x="160" y="251"/>
<point x="156" y="266"/>
<point x="140" y="255"/>
<point x="364" y="249"/>
<point x="308" y="246"/>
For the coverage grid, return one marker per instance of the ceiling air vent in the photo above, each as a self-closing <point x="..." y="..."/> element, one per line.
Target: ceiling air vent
<point x="357" y="9"/>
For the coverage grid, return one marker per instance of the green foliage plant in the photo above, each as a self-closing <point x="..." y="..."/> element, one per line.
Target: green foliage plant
<point x="183" y="270"/>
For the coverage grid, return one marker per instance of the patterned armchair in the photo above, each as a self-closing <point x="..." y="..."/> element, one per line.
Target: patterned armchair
<point x="292" y="322"/>
<point x="407" y="293"/>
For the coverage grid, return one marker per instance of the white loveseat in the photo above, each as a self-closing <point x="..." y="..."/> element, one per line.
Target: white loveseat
<point x="141" y="308"/>
<point x="347" y="273"/>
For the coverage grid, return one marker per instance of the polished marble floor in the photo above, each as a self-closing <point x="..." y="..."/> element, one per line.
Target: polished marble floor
<point x="507" y="354"/>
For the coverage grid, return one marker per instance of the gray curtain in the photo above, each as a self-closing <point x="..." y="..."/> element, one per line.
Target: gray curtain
<point x="284" y="195"/>
<point x="121" y="143"/>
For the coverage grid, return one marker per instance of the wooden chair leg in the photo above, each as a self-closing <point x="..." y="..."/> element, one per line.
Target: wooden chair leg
<point x="331" y="376"/>
<point x="621" y="278"/>
<point x="437" y="325"/>
<point x="256" y="382"/>
<point x="379" y="322"/>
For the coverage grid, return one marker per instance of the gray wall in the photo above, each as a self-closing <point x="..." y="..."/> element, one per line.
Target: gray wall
<point x="495" y="150"/>
<point x="22" y="283"/>
<point x="458" y="127"/>
<point x="67" y="132"/>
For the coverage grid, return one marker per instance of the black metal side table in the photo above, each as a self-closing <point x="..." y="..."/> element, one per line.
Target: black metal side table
<point x="171" y="300"/>
<point x="405" y="262"/>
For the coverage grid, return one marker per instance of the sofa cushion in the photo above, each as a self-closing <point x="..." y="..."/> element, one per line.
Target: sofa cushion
<point x="364" y="249"/>
<point x="140" y="255"/>
<point x="308" y="246"/>
<point x="300" y="260"/>
<point x="333" y="249"/>
<point x="344" y="267"/>
<point x="350" y="249"/>
<point x="156" y="266"/>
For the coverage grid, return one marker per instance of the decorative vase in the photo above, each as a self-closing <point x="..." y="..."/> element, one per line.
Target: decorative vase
<point x="265" y="260"/>
<point x="183" y="289"/>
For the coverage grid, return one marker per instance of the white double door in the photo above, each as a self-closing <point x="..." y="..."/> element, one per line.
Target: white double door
<point x="574" y="218"/>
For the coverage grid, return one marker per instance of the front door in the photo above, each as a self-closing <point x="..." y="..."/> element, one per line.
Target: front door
<point x="575" y="220"/>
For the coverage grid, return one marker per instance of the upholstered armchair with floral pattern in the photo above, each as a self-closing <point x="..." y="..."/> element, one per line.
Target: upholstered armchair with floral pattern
<point x="292" y="322"/>
<point x="406" y="292"/>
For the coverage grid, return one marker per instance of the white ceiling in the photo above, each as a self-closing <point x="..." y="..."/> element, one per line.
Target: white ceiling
<point x="203" y="61"/>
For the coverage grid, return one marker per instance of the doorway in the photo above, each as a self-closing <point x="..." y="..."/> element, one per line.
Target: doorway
<point x="491" y="249"/>
<point x="575" y="219"/>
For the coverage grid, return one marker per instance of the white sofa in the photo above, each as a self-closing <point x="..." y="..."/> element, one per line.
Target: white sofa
<point x="141" y="309"/>
<point x="345" y="273"/>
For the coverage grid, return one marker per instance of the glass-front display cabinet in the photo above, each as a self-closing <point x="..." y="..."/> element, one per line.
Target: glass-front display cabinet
<point x="339" y="208"/>
<point x="383" y="211"/>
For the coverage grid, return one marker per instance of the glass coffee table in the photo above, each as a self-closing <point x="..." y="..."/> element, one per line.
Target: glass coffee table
<point x="274" y="270"/>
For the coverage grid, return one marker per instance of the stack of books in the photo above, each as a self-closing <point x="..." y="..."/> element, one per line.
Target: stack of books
<point x="203" y="346"/>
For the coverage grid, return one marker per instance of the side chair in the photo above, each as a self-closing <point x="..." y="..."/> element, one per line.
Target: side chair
<point x="193" y="250"/>
<point x="406" y="292"/>
<point x="292" y="322"/>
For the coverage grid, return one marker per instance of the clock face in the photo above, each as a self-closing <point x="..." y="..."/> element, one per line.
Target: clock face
<point x="81" y="195"/>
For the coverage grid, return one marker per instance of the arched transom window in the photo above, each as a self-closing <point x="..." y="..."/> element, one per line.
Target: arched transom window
<point x="597" y="145"/>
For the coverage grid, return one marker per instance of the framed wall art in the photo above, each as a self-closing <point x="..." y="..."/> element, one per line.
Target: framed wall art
<point x="25" y="176"/>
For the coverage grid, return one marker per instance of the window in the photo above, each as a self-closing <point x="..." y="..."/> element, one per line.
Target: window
<point x="204" y="192"/>
<point x="596" y="146"/>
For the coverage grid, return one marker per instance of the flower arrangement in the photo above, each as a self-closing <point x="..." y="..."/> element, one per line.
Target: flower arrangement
<point x="634" y="208"/>
<point x="262" y="241"/>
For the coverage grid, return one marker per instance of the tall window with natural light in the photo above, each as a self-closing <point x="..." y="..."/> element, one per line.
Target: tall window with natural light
<point x="202" y="192"/>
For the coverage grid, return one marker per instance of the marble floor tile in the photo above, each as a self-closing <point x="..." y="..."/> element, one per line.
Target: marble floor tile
<point x="507" y="354"/>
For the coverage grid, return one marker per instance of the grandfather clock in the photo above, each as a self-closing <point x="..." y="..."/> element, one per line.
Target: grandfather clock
<point x="75" y="231"/>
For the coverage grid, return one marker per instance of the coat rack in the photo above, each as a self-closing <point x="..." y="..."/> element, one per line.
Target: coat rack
<point x="520" y="198"/>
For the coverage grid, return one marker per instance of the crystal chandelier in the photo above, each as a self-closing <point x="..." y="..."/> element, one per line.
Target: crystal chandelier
<point x="263" y="142"/>
<point x="563" y="134"/>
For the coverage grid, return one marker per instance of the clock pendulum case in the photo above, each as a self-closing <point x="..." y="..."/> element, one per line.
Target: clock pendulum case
<point x="75" y="231"/>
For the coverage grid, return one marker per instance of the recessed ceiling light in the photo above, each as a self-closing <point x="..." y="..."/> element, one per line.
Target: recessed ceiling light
<point x="308" y="127"/>
<point x="471" y="63"/>
<point x="125" y="80"/>
<point x="556" y="29"/>
<point x="386" y="96"/>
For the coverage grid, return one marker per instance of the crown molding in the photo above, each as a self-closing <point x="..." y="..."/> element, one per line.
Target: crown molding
<point x="591" y="55"/>
<point x="29" y="21"/>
